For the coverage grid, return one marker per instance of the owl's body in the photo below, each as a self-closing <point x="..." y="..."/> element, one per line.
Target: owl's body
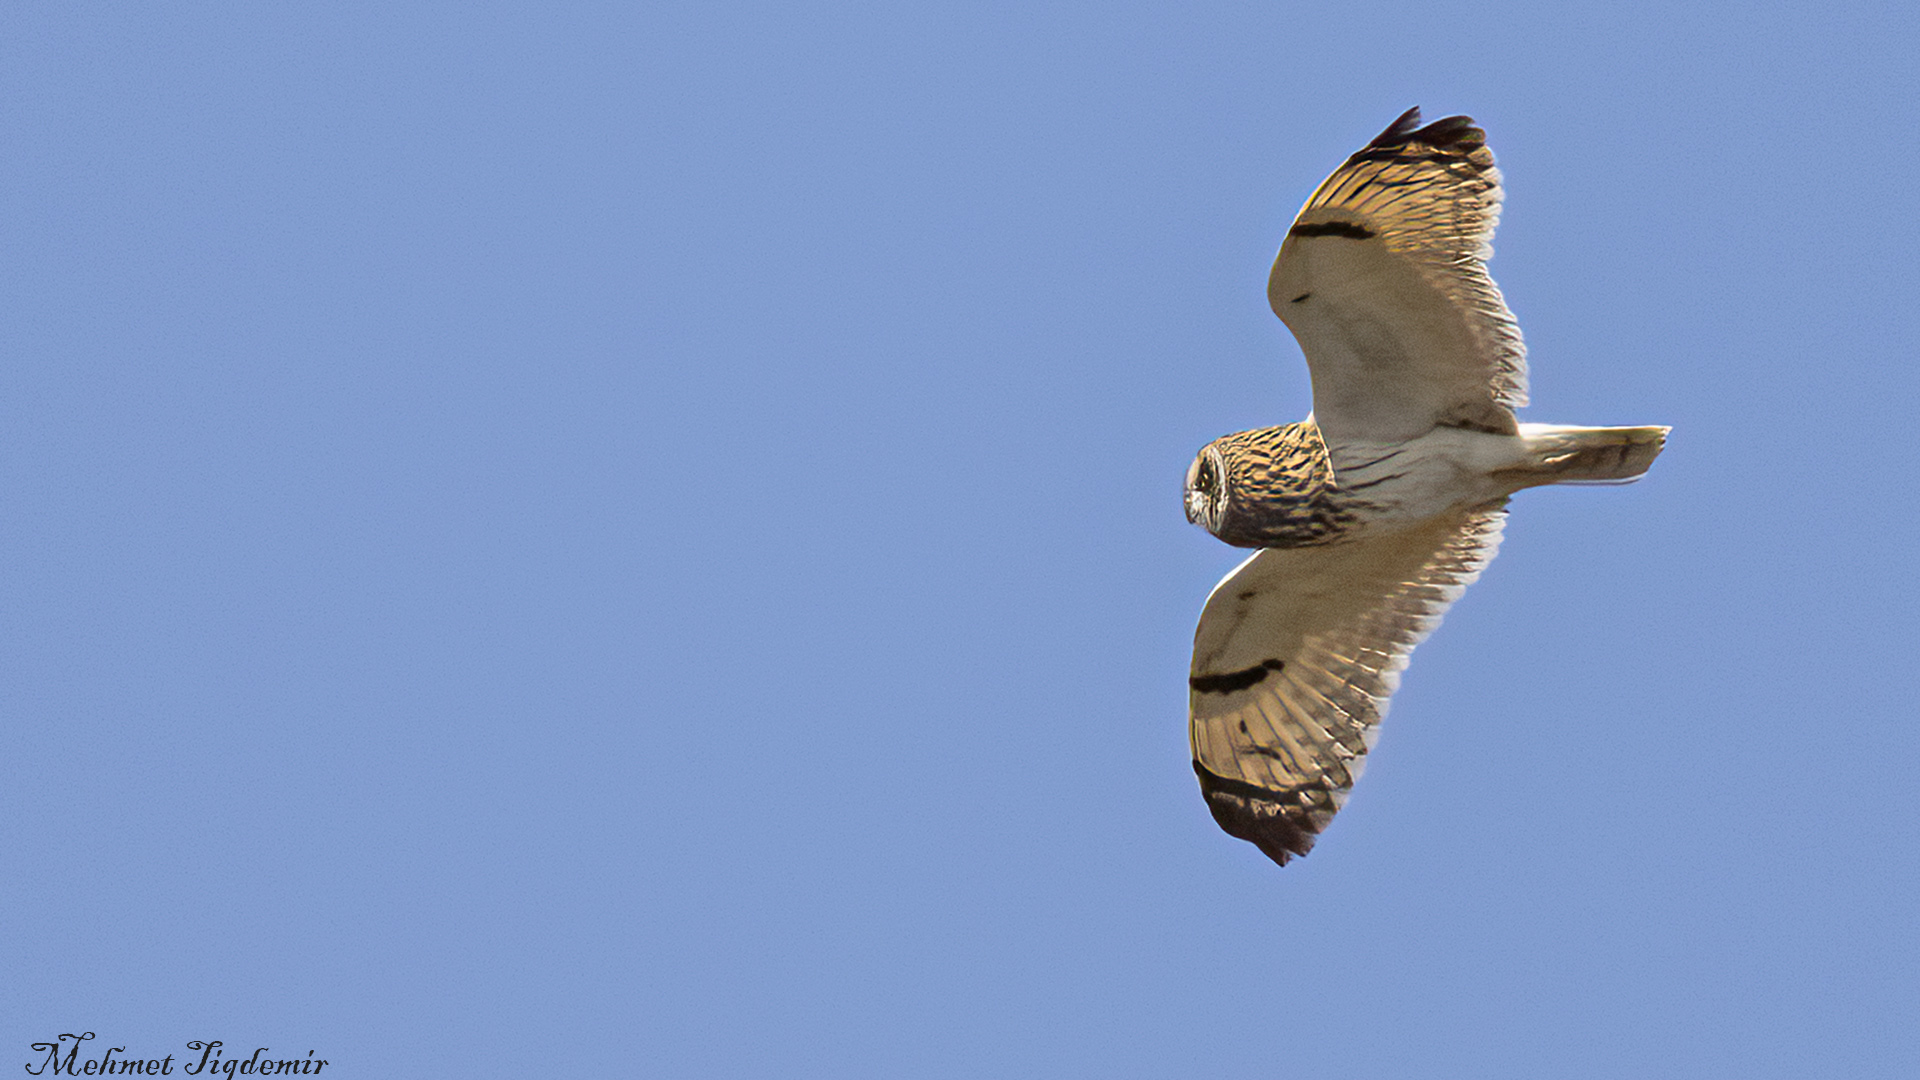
<point x="1374" y="513"/>
<point x="1284" y="487"/>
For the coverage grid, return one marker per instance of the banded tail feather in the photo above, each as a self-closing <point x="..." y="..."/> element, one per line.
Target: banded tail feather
<point x="1565" y="454"/>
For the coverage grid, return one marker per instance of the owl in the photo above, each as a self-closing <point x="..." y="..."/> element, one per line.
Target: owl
<point x="1372" y="515"/>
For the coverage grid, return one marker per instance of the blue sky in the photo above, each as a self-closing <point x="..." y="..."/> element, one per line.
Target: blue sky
<point x="577" y="539"/>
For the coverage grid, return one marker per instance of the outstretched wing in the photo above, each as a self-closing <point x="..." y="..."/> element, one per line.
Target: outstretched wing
<point x="1383" y="281"/>
<point x="1298" y="651"/>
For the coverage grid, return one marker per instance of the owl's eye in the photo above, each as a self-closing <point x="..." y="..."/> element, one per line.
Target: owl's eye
<point x="1207" y="481"/>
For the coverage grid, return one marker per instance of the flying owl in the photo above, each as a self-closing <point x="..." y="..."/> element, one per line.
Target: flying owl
<point x="1374" y="513"/>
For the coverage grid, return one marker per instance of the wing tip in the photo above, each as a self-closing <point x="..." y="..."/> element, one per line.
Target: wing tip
<point x="1267" y="819"/>
<point x="1447" y="133"/>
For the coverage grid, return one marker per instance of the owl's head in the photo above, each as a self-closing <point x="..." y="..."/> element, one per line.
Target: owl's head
<point x="1206" y="495"/>
<point x="1263" y="488"/>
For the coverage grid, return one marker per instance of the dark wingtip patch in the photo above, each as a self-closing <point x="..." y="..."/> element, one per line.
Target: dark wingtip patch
<point x="1230" y="681"/>
<point x="1398" y="131"/>
<point x="1279" y="823"/>
<point x="1344" y="229"/>
<point x="1443" y="134"/>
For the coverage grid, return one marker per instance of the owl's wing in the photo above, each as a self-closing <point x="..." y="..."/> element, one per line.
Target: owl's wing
<point x="1295" y="657"/>
<point x="1383" y="281"/>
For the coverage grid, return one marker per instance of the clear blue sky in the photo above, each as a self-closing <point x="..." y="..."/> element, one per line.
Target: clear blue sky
<point x="605" y="540"/>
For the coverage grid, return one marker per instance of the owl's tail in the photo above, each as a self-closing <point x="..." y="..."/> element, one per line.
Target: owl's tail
<point x="1562" y="454"/>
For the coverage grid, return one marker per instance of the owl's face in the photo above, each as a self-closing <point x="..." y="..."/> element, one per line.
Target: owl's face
<point x="1206" y="495"/>
<point x="1271" y="487"/>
